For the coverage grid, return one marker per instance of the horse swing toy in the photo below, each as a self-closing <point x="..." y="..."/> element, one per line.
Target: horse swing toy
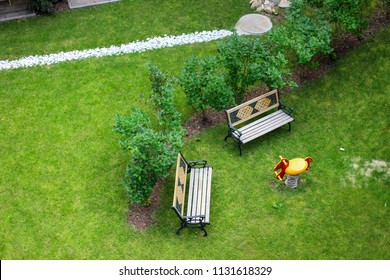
<point x="292" y="168"/>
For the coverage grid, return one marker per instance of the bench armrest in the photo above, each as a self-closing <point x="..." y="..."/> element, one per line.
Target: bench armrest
<point x="193" y="163"/>
<point x="287" y="109"/>
<point x="198" y="218"/>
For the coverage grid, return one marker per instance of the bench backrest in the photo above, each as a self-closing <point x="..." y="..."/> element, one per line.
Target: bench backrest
<point x="180" y="185"/>
<point x="253" y="108"/>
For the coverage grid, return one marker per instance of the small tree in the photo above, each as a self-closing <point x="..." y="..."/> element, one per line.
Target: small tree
<point x="162" y="98"/>
<point x="204" y="86"/>
<point x="152" y="151"/>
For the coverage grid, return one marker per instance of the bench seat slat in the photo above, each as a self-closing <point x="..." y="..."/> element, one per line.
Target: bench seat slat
<point x="271" y="123"/>
<point x="208" y="194"/>
<point x="199" y="193"/>
<point x="263" y="120"/>
<point x="260" y="133"/>
<point x="192" y="192"/>
<point x="201" y="185"/>
<point x="204" y="193"/>
<point x="206" y="187"/>
<point x="196" y="210"/>
<point x="262" y="127"/>
<point x="264" y="130"/>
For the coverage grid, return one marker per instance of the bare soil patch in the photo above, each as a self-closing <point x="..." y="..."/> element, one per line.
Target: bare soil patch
<point x="61" y="5"/>
<point x="141" y="216"/>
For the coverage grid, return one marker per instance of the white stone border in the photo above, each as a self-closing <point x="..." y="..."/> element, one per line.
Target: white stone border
<point x="137" y="46"/>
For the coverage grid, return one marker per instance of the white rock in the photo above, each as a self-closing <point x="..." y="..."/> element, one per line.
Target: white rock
<point x="255" y="3"/>
<point x="136" y="46"/>
<point x="269" y="8"/>
<point x="260" y="8"/>
<point x="284" y="4"/>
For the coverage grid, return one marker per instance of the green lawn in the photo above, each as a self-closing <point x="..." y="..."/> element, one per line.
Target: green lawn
<point x="115" y="24"/>
<point x="61" y="164"/>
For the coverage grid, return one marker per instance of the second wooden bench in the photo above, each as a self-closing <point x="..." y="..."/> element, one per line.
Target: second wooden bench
<point x="243" y="126"/>
<point x="199" y="192"/>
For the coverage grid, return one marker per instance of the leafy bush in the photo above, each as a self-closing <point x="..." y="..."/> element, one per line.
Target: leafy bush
<point x="204" y="86"/>
<point x="347" y="13"/>
<point x="152" y="151"/>
<point x="162" y="98"/>
<point x="42" y="6"/>
<point x="249" y="61"/>
<point x="386" y="7"/>
<point x="301" y="35"/>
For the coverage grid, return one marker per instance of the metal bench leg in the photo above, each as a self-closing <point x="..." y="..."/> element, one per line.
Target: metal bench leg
<point x="235" y="140"/>
<point x="182" y="226"/>
<point x="229" y="135"/>
<point x="289" y="126"/>
<point x="202" y="227"/>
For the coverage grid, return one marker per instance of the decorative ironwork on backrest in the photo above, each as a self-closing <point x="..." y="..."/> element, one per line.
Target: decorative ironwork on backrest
<point x="180" y="184"/>
<point x="253" y="108"/>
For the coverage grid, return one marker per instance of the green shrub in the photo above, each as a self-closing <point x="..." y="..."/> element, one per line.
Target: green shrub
<point x="42" y="6"/>
<point x="347" y="14"/>
<point x="249" y="61"/>
<point x="204" y="85"/>
<point x="162" y="99"/>
<point x="302" y="36"/>
<point x="386" y="7"/>
<point x="152" y="151"/>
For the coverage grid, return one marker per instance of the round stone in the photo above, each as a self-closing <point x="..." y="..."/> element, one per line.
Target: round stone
<point x="253" y="24"/>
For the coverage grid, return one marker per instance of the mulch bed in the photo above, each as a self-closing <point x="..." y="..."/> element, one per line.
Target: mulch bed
<point x="61" y="5"/>
<point x="142" y="216"/>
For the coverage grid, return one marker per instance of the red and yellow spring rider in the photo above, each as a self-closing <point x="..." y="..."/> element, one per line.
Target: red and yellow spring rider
<point x="292" y="168"/>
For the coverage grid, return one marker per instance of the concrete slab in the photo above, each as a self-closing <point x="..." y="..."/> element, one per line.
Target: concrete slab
<point x="253" y="24"/>
<point x="74" y="4"/>
<point x="17" y="10"/>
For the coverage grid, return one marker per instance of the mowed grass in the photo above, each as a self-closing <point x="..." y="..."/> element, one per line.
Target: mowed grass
<point x="59" y="155"/>
<point x="340" y="209"/>
<point x="115" y="24"/>
<point x="61" y="167"/>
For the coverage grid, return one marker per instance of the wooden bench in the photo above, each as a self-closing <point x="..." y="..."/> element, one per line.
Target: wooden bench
<point x="197" y="176"/>
<point x="251" y="127"/>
